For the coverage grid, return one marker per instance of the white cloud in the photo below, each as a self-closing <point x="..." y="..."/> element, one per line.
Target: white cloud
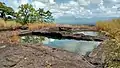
<point x="83" y="2"/>
<point x="37" y="4"/>
<point x="95" y="1"/>
<point x="46" y="1"/>
<point x="76" y="8"/>
<point x="52" y="1"/>
<point x="23" y="1"/>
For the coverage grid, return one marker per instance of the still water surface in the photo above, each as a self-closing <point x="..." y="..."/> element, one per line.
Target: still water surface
<point x="79" y="47"/>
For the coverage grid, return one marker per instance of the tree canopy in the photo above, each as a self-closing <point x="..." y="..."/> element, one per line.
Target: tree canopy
<point x="5" y="10"/>
<point x="26" y="14"/>
<point x="45" y="16"/>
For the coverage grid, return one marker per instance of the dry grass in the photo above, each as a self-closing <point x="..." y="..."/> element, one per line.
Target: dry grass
<point x="15" y="38"/>
<point x="108" y="25"/>
<point x="35" y="26"/>
<point x="111" y="28"/>
<point x="112" y="46"/>
<point x="32" y="26"/>
<point x="8" y="24"/>
<point x="85" y="27"/>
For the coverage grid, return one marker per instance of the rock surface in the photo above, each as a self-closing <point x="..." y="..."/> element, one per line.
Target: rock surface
<point x="96" y="57"/>
<point x="39" y="56"/>
<point x="62" y="35"/>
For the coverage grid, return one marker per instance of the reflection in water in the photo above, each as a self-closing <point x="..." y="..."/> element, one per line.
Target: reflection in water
<point x="79" y="47"/>
<point x="91" y="33"/>
<point x="32" y="39"/>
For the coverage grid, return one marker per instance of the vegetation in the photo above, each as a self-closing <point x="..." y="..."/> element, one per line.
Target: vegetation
<point x="32" y="39"/>
<point x="9" y="24"/>
<point x="111" y="46"/>
<point x="36" y="19"/>
<point x="26" y="14"/>
<point x="44" y="16"/>
<point x="34" y="26"/>
<point x="5" y="10"/>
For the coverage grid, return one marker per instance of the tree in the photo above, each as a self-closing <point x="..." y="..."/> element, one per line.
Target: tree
<point x="49" y="18"/>
<point x="9" y="11"/>
<point x="5" y="10"/>
<point x="41" y="15"/>
<point x="2" y="12"/>
<point x="26" y="14"/>
<point x="45" y="16"/>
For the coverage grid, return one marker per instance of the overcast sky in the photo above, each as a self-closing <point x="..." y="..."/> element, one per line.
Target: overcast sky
<point x="74" y="11"/>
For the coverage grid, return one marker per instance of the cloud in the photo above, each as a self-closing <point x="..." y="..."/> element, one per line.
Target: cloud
<point x="37" y="4"/>
<point x="52" y="1"/>
<point x="23" y="1"/>
<point x="83" y="2"/>
<point x="82" y="8"/>
<point x="75" y="8"/>
<point x="45" y="1"/>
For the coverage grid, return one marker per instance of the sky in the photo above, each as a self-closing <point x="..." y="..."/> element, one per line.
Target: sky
<point x="74" y="11"/>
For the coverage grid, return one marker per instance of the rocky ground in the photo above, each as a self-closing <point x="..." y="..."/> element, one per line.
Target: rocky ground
<point x="16" y="55"/>
<point x="64" y="33"/>
<point x="39" y="56"/>
<point x="96" y="57"/>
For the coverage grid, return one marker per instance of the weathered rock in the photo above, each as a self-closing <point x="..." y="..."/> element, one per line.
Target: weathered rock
<point x="39" y="56"/>
<point x="96" y="57"/>
<point x="63" y="35"/>
<point x="69" y="28"/>
<point x="23" y="27"/>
